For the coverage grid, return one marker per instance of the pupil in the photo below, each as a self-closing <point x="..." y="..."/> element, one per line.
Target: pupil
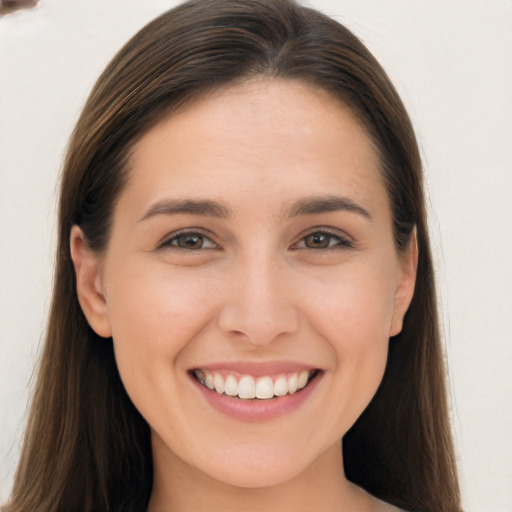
<point x="190" y="241"/>
<point x="317" y="240"/>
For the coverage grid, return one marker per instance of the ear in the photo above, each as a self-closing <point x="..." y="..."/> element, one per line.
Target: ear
<point x="89" y="283"/>
<point x="406" y="280"/>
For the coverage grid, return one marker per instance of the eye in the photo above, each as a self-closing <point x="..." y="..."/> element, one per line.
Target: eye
<point x="322" y="240"/>
<point x="190" y="240"/>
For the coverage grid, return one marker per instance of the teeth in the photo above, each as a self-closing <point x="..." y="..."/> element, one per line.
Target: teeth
<point x="231" y="386"/>
<point x="264" y="388"/>
<point x="281" y="386"/>
<point x="302" y="380"/>
<point x="218" y="383"/>
<point x="247" y="388"/>
<point x="293" y="383"/>
<point x="209" y="381"/>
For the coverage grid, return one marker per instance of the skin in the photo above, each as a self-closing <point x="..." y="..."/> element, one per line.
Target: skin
<point x="256" y="290"/>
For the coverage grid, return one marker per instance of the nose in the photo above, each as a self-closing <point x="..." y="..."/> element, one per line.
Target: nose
<point x="258" y="305"/>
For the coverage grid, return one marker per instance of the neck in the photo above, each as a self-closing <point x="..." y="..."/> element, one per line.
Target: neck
<point x="180" y="487"/>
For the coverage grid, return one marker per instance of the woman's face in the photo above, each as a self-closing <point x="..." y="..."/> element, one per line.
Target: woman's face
<point x="251" y="251"/>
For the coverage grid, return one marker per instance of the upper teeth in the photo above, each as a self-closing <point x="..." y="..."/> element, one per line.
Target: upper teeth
<point x="248" y="387"/>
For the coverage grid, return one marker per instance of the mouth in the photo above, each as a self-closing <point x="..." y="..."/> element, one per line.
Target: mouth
<point x="249" y="387"/>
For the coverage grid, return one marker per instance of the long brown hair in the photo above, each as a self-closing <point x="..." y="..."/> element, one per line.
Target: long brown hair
<point x="86" y="446"/>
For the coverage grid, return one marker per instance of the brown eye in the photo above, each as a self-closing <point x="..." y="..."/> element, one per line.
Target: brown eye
<point x="323" y="240"/>
<point x="317" y="240"/>
<point x="191" y="241"/>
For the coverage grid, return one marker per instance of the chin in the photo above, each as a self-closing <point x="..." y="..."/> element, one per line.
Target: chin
<point x="261" y="475"/>
<point x="263" y="466"/>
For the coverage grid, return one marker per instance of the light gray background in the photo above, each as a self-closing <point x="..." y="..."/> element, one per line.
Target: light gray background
<point x="451" y="60"/>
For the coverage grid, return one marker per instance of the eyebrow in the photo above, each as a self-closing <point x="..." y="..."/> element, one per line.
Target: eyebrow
<point x="202" y="207"/>
<point x="209" y="208"/>
<point x="324" y="204"/>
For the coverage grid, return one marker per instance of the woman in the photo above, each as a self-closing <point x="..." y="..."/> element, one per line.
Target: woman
<point x="243" y="280"/>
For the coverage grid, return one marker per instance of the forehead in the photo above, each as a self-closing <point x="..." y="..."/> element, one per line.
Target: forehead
<point x="282" y="138"/>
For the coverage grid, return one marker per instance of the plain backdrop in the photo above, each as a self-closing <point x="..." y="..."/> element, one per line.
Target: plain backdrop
<point x="451" y="61"/>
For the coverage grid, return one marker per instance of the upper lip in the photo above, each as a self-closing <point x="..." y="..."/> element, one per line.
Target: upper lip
<point x="257" y="369"/>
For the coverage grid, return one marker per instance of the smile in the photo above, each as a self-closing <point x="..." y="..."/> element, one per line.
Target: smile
<point x="247" y="387"/>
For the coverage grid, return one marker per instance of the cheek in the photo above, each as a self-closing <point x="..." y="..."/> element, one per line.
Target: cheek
<point x="354" y="318"/>
<point x="354" y="306"/>
<point x="153" y="316"/>
<point x="156" y="306"/>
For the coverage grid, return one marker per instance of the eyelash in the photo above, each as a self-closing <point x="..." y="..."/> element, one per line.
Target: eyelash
<point x="340" y="241"/>
<point x="169" y="242"/>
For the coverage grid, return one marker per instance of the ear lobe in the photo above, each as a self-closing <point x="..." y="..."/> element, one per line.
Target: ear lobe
<point x="89" y="286"/>
<point x="408" y="263"/>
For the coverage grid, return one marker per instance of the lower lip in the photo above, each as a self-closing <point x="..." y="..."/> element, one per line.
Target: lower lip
<point x="257" y="410"/>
